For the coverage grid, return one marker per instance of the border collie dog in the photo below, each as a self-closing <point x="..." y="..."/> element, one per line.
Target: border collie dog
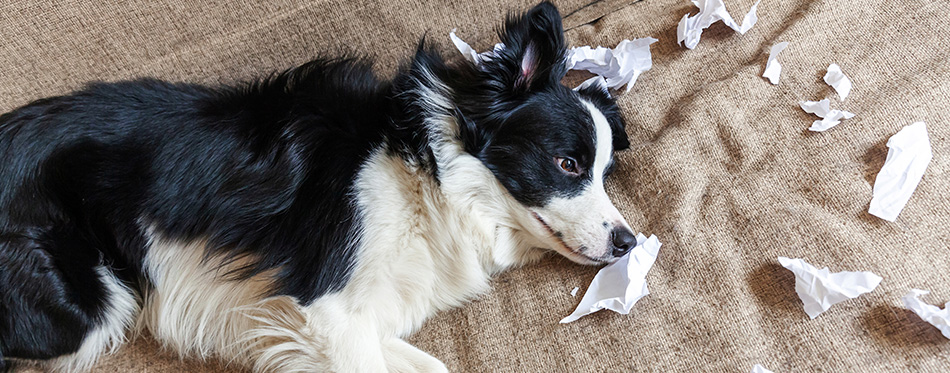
<point x="305" y="222"/>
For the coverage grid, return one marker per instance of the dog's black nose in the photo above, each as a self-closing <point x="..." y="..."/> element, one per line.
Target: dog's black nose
<point x="623" y="240"/>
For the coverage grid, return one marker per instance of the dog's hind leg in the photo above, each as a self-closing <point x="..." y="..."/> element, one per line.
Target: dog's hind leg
<point x="58" y="302"/>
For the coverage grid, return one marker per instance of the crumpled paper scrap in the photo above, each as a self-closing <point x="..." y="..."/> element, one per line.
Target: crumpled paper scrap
<point x="710" y="11"/>
<point x="772" y="68"/>
<point x="619" y="285"/>
<point x="837" y="80"/>
<point x="829" y="117"/>
<point x="470" y="53"/>
<point x="467" y="50"/>
<point x="937" y="317"/>
<point x="760" y="369"/>
<point x="819" y="289"/>
<point x="619" y="66"/>
<point x="908" y="156"/>
<point x="574" y="291"/>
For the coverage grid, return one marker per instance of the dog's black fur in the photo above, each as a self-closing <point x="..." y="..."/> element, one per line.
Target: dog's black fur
<point x="262" y="171"/>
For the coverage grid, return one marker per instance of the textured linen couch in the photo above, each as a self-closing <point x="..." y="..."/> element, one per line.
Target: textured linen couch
<point x="722" y="168"/>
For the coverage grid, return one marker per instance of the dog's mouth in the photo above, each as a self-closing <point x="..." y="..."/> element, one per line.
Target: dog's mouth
<point x="557" y="236"/>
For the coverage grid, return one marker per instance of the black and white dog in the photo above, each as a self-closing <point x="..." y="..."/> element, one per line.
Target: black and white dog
<point x="305" y="222"/>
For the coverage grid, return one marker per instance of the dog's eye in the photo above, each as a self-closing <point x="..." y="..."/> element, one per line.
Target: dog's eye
<point x="568" y="165"/>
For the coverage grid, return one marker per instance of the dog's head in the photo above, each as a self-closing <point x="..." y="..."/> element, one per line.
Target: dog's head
<point x="550" y="146"/>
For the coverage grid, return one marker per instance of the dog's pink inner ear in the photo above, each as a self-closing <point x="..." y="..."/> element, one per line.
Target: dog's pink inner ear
<point x="529" y="63"/>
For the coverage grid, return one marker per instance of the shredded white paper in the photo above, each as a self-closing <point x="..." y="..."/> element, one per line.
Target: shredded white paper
<point x="619" y="285"/>
<point x="470" y="53"/>
<point x="829" y="117"/>
<point x="772" y="68"/>
<point x="908" y="156"/>
<point x="619" y="66"/>
<point x="467" y="50"/>
<point x="760" y="369"/>
<point x="819" y="289"/>
<point x="574" y="291"/>
<point x="711" y="11"/>
<point x="937" y="317"/>
<point x="837" y="80"/>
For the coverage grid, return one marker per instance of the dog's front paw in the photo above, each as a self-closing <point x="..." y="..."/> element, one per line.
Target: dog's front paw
<point x="403" y="357"/>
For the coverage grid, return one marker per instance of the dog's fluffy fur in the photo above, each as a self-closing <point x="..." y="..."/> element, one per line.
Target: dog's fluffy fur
<point x="305" y="222"/>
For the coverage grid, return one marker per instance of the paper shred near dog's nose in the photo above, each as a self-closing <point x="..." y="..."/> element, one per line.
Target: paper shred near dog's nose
<point x="819" y="289"/>
<point x="619" y="285"/>
<point x="772" y="68"/>
<point x="937" y="317"/>
<point x="760" y="369"/>
<point x="908" y="156"/>
<point x="689" y="30"/>
<point x="829" y="117"/>
<point x="619" y="66"/>
<point x="837" y="80"/>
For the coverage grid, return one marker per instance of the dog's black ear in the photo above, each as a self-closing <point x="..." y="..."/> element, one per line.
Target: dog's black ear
<point x="621" y="141"/>
<point x="533" y="55"/>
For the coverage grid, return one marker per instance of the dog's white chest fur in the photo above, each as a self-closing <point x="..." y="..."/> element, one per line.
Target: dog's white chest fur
<point x="425" y="247"/>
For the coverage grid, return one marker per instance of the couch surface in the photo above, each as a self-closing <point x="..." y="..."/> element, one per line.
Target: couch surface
<point x="722" y="168"/>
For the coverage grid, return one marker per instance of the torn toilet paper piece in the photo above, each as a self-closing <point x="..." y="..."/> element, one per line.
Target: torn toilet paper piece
<point x="837" y="80"/>
<point x="467" y="50"/>
<point x="772" y="68"/>
<point x="619" y="285"/>
<point x="619" y="66"/>
<point x="908" y="155"/>
<point x="937" y="317"/>
<point x="710" y="11"/>
<point x="574" y="291"/>
<point x="760" y="369"/>
<point x="470" y="53"/>
<point x="819" y="289"/>
<point x="829" y="117"/>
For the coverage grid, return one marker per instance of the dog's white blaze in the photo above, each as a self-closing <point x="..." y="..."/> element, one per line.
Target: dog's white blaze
<point x="121" y="307"/>
<point x="604" y="145"/>
<point x="605" y="149"/>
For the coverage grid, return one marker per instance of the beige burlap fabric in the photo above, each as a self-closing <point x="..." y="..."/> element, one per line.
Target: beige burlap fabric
<point x="722" y="169"/>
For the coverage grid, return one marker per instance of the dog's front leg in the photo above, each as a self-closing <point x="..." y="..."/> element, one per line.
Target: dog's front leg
<point x="403" y="357"/>
<point x="355" y="346"/>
